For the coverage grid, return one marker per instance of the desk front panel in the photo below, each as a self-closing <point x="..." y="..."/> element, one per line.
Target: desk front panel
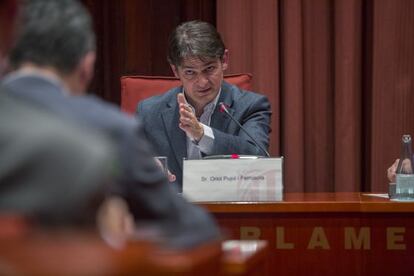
<point x="340" y="234"/>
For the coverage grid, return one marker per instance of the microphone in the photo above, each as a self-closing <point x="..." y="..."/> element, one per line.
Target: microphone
<point x="224" y="109"/>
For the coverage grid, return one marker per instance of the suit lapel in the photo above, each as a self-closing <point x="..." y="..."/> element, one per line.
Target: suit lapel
<point x="220" y="120"/>
<point x="176" y="136"/>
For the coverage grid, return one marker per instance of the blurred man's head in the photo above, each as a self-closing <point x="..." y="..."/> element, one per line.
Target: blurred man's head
<point x="8" y="14"/>
<point x="56" y="36"/>
<point x="198" y="57"/>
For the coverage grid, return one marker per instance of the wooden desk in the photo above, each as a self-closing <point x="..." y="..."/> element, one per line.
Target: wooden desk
<point x="81" y="253"/>
<point x="244" y="257"/>
<point x="25" y="250"/>
<point x="326" y="233"/>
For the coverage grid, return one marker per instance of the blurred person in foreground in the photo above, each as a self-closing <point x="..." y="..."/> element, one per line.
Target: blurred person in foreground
<point x="54" y="56"/>
<point x="188" y="121"/>
<point x="51" y="172"/>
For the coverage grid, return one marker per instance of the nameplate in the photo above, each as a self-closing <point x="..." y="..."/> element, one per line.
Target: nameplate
<point x="244" y="180"/>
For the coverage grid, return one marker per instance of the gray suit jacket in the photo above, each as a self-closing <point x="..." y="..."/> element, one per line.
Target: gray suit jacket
<point x="49" y="169"/>
<point x="140" y="181"/>
<point x="161" y="118"/>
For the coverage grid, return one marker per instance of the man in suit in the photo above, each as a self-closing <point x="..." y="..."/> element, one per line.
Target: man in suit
<point x="186" y="121"/>
<point x="50" y="170"/>
<point x="54" y="55"/>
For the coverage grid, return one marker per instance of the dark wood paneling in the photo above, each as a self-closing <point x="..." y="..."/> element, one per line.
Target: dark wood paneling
<point x="250" y="31"/>
<point x="392" y="84"/>
<point x="132" y="37"/>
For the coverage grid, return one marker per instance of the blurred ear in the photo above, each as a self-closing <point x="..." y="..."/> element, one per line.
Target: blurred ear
<point x="175" y="70"/>
<point x="86" y="69"/>
<point x="225" y="59"/>
<point x="89" y="65"/>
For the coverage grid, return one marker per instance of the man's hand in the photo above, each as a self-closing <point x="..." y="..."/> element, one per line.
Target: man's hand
<point x="171" y="177"/>
<point x="392" y="170"/>
<point x="115" y="222"/>
<point x="406" y="167"/>
<point x="188" y="120"/>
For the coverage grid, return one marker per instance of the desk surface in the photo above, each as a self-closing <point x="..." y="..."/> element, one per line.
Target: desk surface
<point x="244" y="257"/>
<point x="84" y="253"/>
<point x="24" y="250"/>
<point x="315" y="202"/>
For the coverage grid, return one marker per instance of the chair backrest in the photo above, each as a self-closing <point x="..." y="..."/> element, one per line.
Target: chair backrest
<point x="137" y="88"/>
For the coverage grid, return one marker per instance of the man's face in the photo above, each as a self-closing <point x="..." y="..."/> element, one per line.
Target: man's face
<point x="201" y="79"/>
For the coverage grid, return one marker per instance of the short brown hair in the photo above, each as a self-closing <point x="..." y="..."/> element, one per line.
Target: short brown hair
<point x="194" y="39"/>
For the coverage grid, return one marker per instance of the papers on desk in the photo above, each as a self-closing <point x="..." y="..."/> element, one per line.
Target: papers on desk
<point x="392" y="199"/>
<point x="244" y="246"/>
<point x="377" y="195"/>
<point x="247" y="180"/>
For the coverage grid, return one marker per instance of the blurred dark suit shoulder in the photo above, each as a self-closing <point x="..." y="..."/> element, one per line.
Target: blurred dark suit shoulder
<point x="140" y="182"/>
<point x="49" y="169"/>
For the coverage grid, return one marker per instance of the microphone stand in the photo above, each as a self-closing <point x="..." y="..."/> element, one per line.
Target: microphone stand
<point x="224" y="109"/>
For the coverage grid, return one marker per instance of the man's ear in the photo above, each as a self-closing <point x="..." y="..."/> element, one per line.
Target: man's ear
<point x="175" y="70"/>
<point x="80" y="78"/>
<point x="86" y="69"/>
<point x="225" y="59"/>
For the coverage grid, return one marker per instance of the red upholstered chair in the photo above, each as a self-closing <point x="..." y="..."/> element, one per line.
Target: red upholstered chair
<point x="136" y="88"/>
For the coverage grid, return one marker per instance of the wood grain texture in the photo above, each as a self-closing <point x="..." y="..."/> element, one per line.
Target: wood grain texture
<point x="326" y="233"/>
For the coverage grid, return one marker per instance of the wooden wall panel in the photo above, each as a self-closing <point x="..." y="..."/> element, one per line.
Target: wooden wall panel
<point x="132" y="37"/>
<point x="250" y="31"/>
<point x="341" y="81"/>
<point x="392" y="84"/>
